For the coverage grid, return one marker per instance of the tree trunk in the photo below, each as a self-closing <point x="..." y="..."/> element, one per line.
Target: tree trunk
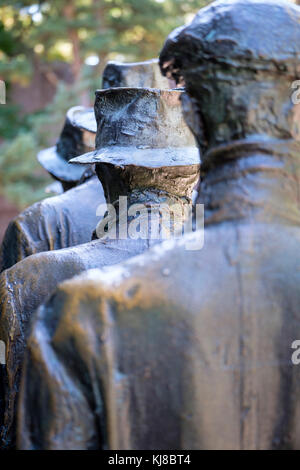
<point x="69" y="11"/>
<point x="100" y="11"/>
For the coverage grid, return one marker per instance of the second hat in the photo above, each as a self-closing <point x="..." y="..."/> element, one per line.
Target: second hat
<point x="142" y="127"/>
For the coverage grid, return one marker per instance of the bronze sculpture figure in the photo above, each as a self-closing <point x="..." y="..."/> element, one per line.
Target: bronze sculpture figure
<point x="187" y="350"/>
<point x="68" y="220"/>
<point x="127" y="118"/>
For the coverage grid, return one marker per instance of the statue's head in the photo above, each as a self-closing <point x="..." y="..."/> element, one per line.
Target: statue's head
<point x="238" y="60"/>
<point x="142" y="142"/>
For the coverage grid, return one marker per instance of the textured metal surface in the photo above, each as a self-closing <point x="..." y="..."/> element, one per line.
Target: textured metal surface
<point x="54" y="223"/>
<point x="143" y="127"/>
<point x="29" y="283"/>
<point x="183" y="350"/>
<point x="39" y="229"/>
<point x="78" y="133"/>
<point x="141" y="74"/>
<point x="59" y="223"/>
<point x="74" y="140"/>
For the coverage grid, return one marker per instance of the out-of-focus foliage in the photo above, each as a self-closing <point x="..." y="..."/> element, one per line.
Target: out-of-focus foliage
<point x="21" y="179"/>
<point x="58" y="28"/>
<point x="78" y="32"/>
<point x="47" y="124"/>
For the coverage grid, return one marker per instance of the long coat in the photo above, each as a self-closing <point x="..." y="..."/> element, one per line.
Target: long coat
<point x="28" y="284"/>
<point x="173" y="349"/>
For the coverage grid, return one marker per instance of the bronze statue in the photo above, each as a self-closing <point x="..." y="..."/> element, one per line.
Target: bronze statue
<point x="164" y="172"/>
<point x="180" y="349"/>
<point x="68" y="220"/>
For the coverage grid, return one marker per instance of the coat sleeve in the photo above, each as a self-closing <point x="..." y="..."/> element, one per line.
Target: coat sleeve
<point x="69" y="352"/>
<point x="52" y="224"/>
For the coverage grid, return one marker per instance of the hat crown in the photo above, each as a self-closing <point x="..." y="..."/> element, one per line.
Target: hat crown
<point x="74" y="139"/>
<point x="142" y="118"/>
<point x="140" y="74"/>
<point x="74" y="136"/>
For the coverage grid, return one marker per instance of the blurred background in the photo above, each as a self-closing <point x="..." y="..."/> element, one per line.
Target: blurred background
<point x="52" y="54"/>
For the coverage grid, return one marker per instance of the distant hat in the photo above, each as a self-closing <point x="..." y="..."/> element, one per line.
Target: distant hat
<point x="78" y="135"/>
<point x="140" y="126"/>
<point x="83" y="118"/>
<point x="136" y="74"/>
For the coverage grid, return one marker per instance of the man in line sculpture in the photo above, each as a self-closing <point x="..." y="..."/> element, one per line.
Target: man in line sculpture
<point x="62" y="220"/>
<point x="145" y="153"/>
<point x="187" y="350"/>
<point x="69" y="219"/>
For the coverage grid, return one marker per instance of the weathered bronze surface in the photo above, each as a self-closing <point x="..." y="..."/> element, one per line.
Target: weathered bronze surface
<point x="28" y="283"/>
<point x="78" y="136"/>
<point x="186" y="350"/>
<point x="141" y="74"/>
<point x="64" y="220"/>
<point x="58" y="222"/>
<point x="49" y="224"/>
<point x="139" y="147"/>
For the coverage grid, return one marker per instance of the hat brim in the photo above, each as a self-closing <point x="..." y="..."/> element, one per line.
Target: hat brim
<point x="83" y="118"/>
<point x="60" y="168"/>
<point x="146" y="157"/>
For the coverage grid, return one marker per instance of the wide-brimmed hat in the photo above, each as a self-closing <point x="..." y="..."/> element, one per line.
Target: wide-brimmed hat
<point x="142" y="127"/>
<point x="78" y="136"/>
<point x="138" y="74"/>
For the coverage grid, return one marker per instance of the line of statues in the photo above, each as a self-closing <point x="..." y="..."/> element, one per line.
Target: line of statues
<point x="116" y="341"/>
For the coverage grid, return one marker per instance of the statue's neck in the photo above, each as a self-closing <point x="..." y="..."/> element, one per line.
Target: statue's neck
<point x="252" y="180"/>
<point x="156" y="212"/>
<point x="152" y="197"/>
<point x="156" y="204"/>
